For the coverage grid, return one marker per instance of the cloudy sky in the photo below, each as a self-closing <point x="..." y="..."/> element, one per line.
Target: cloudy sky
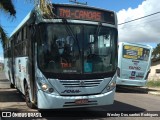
<point x="145" y="31"/>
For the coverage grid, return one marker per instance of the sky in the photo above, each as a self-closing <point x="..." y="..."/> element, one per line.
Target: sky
<point x="144" y="31"/>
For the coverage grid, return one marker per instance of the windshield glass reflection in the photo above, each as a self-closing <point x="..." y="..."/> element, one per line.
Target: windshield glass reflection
<point x="79" y="51"/>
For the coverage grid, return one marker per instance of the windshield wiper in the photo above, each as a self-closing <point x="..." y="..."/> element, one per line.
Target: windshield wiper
<point x="70" y="32"/>
<point x="96" y="34"/>
<point x="98" y="29"/>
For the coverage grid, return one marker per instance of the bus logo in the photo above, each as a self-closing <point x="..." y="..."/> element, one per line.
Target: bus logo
<point x="71" y="91"/>
<point x="134" y="68"/>
<point x="135" y="62"/>
<point x="82" y="83"/>
<point x="133" y="73"/>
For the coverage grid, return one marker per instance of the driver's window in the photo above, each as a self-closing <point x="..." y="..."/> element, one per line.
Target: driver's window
<point x="104" y="44"/>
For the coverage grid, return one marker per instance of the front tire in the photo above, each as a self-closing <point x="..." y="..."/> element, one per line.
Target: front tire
<point x="27" y="98"/>
<point x="12" y="85"/>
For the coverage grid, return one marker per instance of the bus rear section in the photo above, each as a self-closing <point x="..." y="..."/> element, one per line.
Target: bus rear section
<point x="133" y="64"/>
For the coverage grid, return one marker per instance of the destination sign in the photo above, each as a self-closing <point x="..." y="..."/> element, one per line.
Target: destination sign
<point x="80" y="14"/>
<point x="83" y="13"/>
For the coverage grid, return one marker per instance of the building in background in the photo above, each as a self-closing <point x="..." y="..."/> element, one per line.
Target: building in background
<point x="155" y="69"/>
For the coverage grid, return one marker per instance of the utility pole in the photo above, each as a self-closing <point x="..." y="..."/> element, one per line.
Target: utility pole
<point x="76" y="2"/>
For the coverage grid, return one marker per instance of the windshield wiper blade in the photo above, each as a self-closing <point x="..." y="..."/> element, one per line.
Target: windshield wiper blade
<point x="70" y="32"/>
<point x="98" y="28"/>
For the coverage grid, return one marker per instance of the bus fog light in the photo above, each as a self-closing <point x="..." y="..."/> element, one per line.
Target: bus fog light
<point x="51" y="90"/>
<point x="44" y="86"/>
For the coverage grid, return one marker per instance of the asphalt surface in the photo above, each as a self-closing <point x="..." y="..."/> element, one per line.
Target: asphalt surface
<point x="135" y="102"/>
<point x="148" y="90"/>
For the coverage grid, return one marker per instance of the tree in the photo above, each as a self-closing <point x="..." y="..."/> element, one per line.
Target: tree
<point x="46" y="8"/>
<point x="156" y="52"/>
<point x="7" y="7"/>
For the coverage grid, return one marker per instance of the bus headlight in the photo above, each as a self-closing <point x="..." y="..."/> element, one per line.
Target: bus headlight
<point x="112" y="84"/>
<point x="45" y="86"/>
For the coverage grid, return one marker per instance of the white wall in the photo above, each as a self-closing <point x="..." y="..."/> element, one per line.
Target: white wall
<point x="153" y="75"/>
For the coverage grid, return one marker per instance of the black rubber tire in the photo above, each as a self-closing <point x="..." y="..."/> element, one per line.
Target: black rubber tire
<point x="27" y="98"/>
<point x="12" y="86"/>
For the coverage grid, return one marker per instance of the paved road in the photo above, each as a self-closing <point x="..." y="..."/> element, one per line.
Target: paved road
<point x="125" y="102"/>
<point x="3" y="82"/>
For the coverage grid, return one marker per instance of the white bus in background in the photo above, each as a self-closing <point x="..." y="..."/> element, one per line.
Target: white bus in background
<point x="134" y="62"/>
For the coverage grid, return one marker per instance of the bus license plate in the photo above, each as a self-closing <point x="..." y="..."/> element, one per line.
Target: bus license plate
<point x="81" y="101"/>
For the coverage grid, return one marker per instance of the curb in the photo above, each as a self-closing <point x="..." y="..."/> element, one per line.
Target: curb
<point x="151" y="91"/>
<point x="154" y="93"/>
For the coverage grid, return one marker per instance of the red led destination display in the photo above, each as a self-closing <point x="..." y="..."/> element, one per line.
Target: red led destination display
<point x="79" y="13"/>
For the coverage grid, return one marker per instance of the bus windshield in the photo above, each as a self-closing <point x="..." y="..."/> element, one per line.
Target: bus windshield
<point x="79" y="49"/>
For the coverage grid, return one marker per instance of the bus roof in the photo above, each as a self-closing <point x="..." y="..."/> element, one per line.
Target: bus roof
<point x="21" y="23"/>
<point x="73" y="5"/>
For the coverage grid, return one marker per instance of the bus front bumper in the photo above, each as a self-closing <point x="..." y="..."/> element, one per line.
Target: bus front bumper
<point x="50" y="101"/>
<point x="130" y="82"/>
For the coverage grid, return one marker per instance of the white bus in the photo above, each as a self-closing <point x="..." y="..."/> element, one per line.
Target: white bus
<point x="134" y="62"/>
<point x="65" y="61"/>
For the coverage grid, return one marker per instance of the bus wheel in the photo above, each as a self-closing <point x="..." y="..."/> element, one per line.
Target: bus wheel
<point x="12" y="86"/>
<point x="27" y="98"/>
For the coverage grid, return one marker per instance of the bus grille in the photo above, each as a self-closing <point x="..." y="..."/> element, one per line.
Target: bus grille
<point x="73" y="104"/>
<point x="81" y="83"/>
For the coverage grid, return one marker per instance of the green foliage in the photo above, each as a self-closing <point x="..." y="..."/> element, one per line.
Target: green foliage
<point x="153" y="83"/>
<point x="7" y="7"/>
<point x="156" y="51"/>
<point x="4" y="37"/>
